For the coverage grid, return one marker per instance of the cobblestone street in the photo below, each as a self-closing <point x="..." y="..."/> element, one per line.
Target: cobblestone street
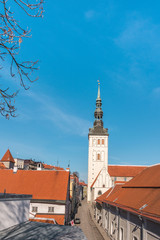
<point x="87" y="224"/>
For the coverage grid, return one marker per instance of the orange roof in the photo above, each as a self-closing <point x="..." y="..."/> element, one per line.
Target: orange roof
<point x="109" y="192"/>
<point x="7" y="157"/>
<point x="42" y="220"/>
<point x="140" y="195"/>
<point x="40" y="184"/>
<point x="46" y="166"/>
<point x="149" y="177"/>
<point x="124" y="171"/>
<point x="82" y="183"/>
<point x="58" y="168"/>
<point x="2" y="166"/>
<point x="59" y="218"/>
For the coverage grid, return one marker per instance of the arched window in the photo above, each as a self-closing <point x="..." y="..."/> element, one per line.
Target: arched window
<point x="135" y="238"/>
<point x="121" y="233"/>
<point x="99" y="192"/>
<point x="98" y="156"/>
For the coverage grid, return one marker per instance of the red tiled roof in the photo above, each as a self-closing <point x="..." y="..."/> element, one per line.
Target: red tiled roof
<point x="58" y="168"/>
<point x="40" y="184"/>
<point x="59" y="218"/>
<point x="140" y="195"/>
<point x="149" y="177"/>
<point x="109" y="192"/>
<point x="46" y="166"/>
<point x="2" y="166"/>
<point x="82" y="183"/>
<point x="42" y="220"/>
<point x="124" y="171"/>
<point x="7" y="157"/>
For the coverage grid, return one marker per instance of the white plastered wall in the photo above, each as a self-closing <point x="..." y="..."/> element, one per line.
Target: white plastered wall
<point x="95" y="165"/>
<point x="13" y="212"/>
<point x="43" y="208"/>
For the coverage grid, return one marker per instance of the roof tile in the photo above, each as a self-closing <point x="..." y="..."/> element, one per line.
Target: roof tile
<point x="7" y="157"/>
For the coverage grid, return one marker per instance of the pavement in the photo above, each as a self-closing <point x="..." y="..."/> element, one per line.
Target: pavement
<point x="88" y="225"/>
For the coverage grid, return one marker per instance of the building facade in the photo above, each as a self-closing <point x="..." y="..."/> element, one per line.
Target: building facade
<point x="98" y="154"/>
<point x="49" y="190"/>
<point x="132" y="210"/>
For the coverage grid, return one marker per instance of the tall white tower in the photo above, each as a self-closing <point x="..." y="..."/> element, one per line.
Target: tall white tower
<point x="98" y="178"/>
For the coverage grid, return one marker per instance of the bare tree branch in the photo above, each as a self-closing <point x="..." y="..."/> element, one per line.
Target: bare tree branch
<point x="11" y="37"/>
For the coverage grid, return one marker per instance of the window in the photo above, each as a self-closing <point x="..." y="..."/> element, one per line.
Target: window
<point x="121" y="233"/>
<point x="50" y="209"/>
<point x="99" y="192"/>
<point x="103" y="141"/>
<point x="125" y="179"/>
<point x="135" y="238"/>
<point x="112" y="227"/>
<point x="98" y="156"/>
<point x="98" y="141"/>
<point x="115" y="178"/>
<point x="103" y="185"/>
<point x="34" y="209"/>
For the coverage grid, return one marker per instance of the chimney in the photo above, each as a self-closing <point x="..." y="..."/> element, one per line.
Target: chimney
<point x="15" y="169"/>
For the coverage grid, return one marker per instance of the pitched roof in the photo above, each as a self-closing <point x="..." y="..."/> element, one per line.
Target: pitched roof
<point x="43" y="220"/>
<point x="7" y="157"/>
<point x="149" y="177"/>
<point x="59" y="218"/>
<point x="124" y="171"/>
<point x="47" y="166"/>
<point x="82" y="183"/>
<point x="40" y="184"/>
<point x="140" y="195"/>
<point x="109" y="192"/>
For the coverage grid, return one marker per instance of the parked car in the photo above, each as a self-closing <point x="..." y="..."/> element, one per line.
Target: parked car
<point x="77" y="221"/>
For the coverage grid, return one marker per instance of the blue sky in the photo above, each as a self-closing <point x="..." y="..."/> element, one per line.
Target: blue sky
<point x="78" y="42"/>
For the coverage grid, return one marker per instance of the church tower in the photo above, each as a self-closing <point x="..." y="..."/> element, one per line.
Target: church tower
<point x="98" y="177"/>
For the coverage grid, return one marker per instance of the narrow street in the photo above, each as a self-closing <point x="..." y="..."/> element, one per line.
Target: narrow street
<point x="87" y="224"/>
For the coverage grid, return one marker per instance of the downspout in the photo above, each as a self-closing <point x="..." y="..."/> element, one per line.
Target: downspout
<point x="142" y="226"/>
<point x="118" y="214"/>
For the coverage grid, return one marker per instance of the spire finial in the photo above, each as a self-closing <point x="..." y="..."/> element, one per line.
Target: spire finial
<point x="98" y="96"/>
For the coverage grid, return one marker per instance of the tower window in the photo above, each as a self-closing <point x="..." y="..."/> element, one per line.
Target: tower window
<point x="98" y="156"/>
<point x="103" y="141"/>
<point x="99" y="192"/>
<point x="98" y="141"/>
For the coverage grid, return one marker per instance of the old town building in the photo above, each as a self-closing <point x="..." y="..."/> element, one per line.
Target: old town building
<point x="132" y="210"/>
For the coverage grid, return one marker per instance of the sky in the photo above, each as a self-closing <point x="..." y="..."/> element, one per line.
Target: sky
<point x="77" y="43"/>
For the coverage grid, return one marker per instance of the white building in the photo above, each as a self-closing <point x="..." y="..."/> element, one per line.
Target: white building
<point x="49" y="190"/>
<point x="98" y="178"/>
<point x="14" y="209"/>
